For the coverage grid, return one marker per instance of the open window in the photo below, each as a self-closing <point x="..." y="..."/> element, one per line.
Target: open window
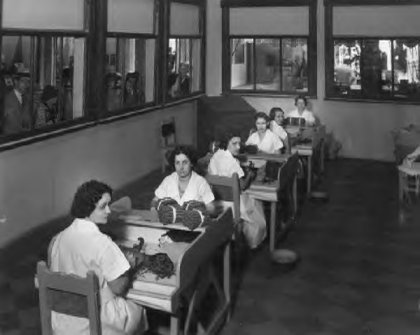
<point x="42" y="83"/>
<point x="185" y="52"/>
<point x="270" y="48"/>
<point x="367" y="60"/>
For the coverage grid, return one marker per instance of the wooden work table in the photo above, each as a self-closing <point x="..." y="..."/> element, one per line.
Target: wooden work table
<point x="194" y="268"/>
<point x="314" y="144"/>
<point x="270" y="190"/>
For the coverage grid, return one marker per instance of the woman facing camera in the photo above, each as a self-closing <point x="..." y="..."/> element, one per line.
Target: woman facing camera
<point x="264" y="138"/>
<point x="184" y="184"/>
<point x="301" y="112"/>
<point x="81" y="248"/>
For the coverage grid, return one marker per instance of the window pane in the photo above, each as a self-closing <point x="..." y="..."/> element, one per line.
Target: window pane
<point x="347" y="80"/>
<point x="58" y="80"/>
<point x="267" y="54"/>
<point x="179" y="76"/>
<point x="184" y="19"/>
<point x="376" y="69"/>
<point x="129" y="82"/>
<point x="16" y="114"/>
<point x="295" y="65"/>
<point x="42" y="82"/>
<point x="131" y="16"/>
<point x="242" y="64"/>
<point x="406" y="69"/>
<point x="44" y="14"/>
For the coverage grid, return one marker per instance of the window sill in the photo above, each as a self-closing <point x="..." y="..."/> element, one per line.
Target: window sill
<point x="375" y="101"/>
<point x="44" y="135"/>
<point x="270" y="95"/>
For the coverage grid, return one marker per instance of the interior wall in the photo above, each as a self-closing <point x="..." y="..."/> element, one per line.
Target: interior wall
<point x="38" y="181"/>
<point x="364" y="129"/>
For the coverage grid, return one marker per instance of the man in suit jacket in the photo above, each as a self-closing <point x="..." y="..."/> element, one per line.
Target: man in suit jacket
<point x="16" y="113"/>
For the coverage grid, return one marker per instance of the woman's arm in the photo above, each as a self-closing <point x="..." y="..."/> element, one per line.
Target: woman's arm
<point x="121" y="285"/>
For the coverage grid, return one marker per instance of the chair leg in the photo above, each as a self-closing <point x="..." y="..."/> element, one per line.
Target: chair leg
<point x="174" y="325"/>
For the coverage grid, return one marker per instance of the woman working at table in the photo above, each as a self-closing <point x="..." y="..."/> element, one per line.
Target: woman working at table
<point x="264" y="138"/>
<point x="224" y="163"/>
<point x="81" y="248"/>
<point x="276" y="126"/>
<point x="301" y="112"/>
<point x="184" y="184"/>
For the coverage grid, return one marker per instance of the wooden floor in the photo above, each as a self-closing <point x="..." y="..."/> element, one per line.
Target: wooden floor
<point x="359" y="269"/>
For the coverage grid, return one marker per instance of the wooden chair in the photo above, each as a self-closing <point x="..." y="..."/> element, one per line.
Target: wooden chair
<point x="68" y="294"/>
<point x="228" y="189"/>
<point x="168" y="140"/>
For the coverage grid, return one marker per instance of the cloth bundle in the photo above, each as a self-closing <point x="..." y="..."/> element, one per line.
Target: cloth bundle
<point x="192" y="214"/>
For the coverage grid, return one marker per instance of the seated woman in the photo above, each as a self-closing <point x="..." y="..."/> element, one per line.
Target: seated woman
<point x="82" y="247"/>
<point x="276" y="126"/>
<point x="301" y="112"/>
<point x="224" y="163"/>
<point x="184" y="184"/>
<point x="264" y="138"/>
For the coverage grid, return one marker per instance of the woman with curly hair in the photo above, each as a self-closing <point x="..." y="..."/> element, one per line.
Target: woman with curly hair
<point x="184" y="184"/>
<point x="224" y="163"/>
<point x="264" y="138"/>
<point x="80" y="248"/>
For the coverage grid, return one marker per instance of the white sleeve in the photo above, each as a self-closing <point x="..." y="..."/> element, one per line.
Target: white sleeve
<point x="277" y="143"/>
<point x="250" y="140"/>
<point x="162" y="190"/>
<point x="310" y="117"/>
<point x="205" y="192"/>
<point x="113" y="262"/>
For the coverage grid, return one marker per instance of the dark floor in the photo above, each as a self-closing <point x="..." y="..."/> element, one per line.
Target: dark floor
<point x="359" y="269"/>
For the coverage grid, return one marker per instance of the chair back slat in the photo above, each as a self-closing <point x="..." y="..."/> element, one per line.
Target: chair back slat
<point x="227" y="189"/>
<point x="68" y="294"/>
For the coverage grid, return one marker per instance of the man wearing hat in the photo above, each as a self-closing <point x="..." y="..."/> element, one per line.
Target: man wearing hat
<point x="16" y="113"/>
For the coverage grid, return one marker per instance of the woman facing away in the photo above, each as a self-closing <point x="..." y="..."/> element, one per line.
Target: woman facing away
<point x="276" y="126"/>
<point x="301" y="112"/>
<point x="224" y="163"/>
<point x="184" y="184"/>
<point x="264" y="138"/>
<point x="82" y="247"/>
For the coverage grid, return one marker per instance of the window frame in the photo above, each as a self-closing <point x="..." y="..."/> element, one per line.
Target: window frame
<point x="311" y="43"/>
<point x="127" y="35"/>
<point x="329" y="48"/>
<point x="95" y="32"/>
<point x="201" y="4"/>
<point x="33" y="135"/>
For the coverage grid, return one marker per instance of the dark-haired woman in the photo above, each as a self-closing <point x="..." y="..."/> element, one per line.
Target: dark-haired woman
<point x="301" y="112"/>
<point x="184" y="184"/>
<point x="264" y="138"/>
<point x="81" y="248"/>
<point x="224" y="163"/>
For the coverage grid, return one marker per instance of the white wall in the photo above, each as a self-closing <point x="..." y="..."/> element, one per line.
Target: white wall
<point x="38" y="181"/>
<point x="362" y="128"/>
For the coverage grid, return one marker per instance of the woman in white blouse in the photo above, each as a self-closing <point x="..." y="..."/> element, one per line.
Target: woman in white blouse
<point x="301" y="112"/>
<point x="184" y="184"/>
<point x="264" y="138"/>
<point x="276" y="125"/>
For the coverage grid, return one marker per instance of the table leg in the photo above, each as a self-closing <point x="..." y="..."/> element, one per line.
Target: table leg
<point x="309" y="181"/>
<point x="273" y="225"/>
<point x="400" y="187"/>
<point x="294" y="195"/>
<point x="226" y="276"/>
<point x="322" y="158"/>
<point x="174" y="325"/>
